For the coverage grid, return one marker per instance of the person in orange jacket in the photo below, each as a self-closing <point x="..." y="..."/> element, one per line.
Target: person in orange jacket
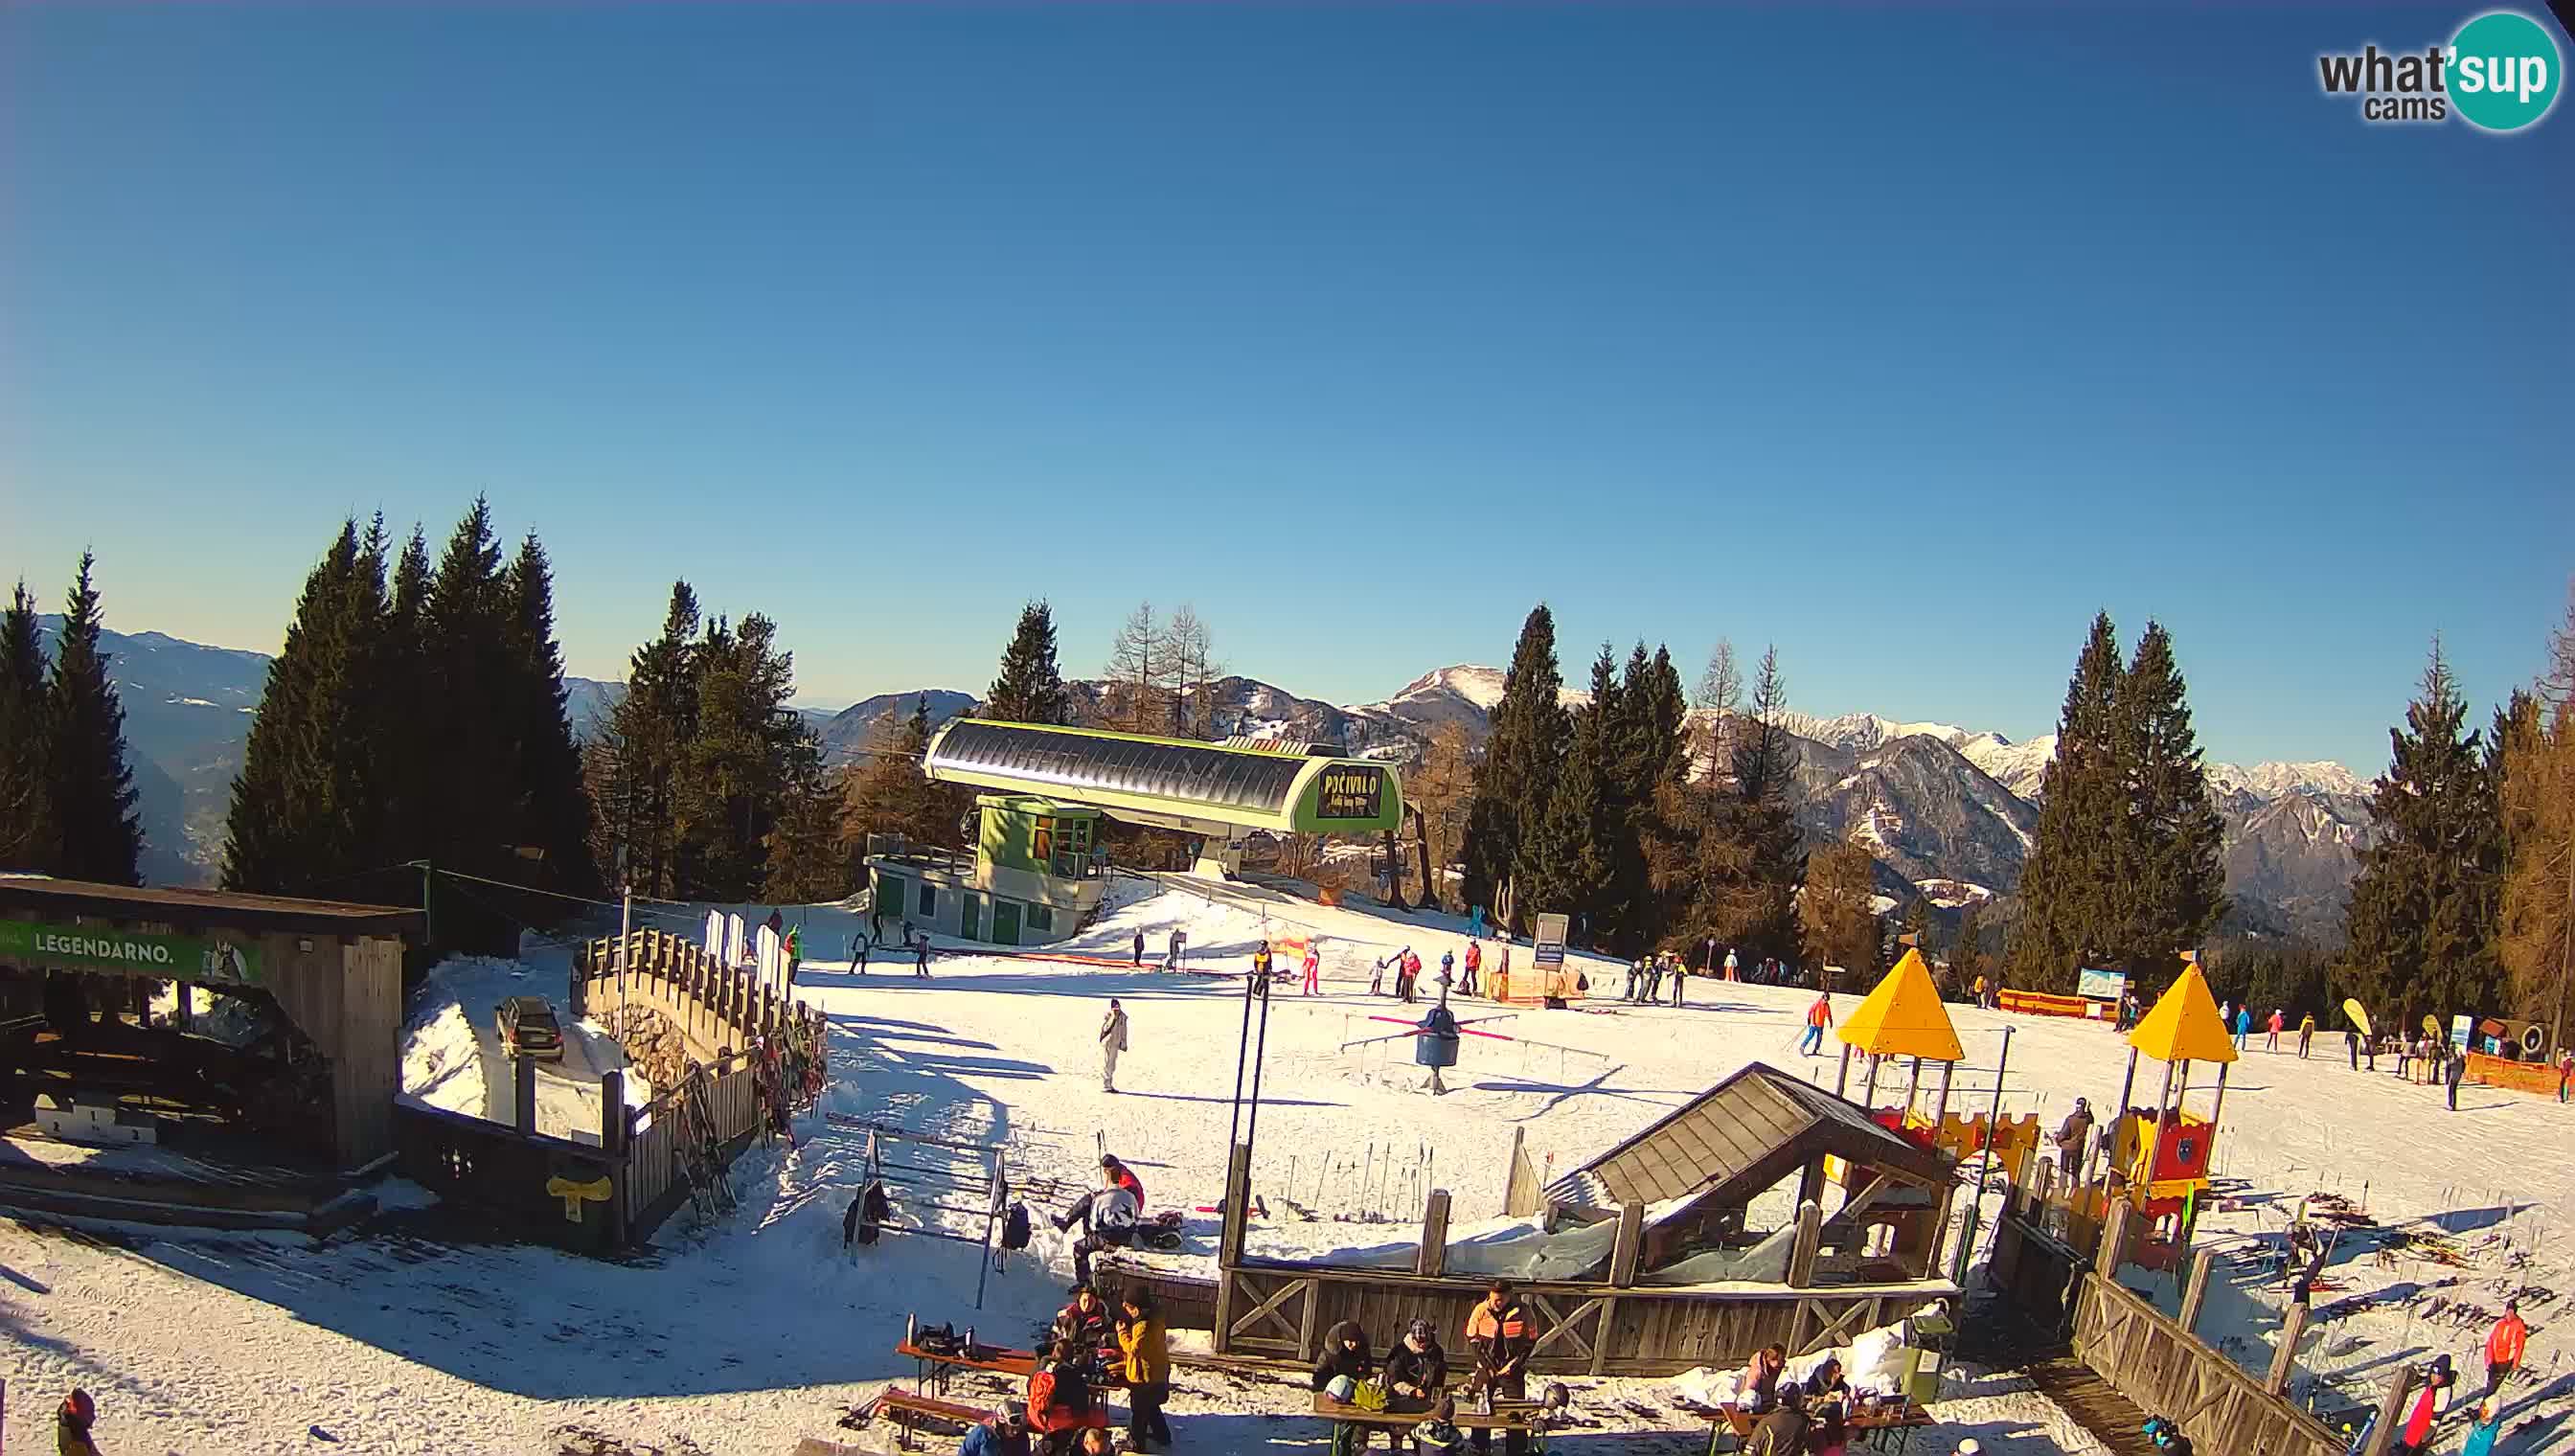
<point x="1819" y="1016"/>
<point x="1062" y="1403"/>
<point x="2504" y="1347"/>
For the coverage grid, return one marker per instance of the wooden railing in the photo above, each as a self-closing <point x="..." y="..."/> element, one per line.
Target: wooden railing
<point x="2153" y="1361"/>
<point x="716" y="1006"/>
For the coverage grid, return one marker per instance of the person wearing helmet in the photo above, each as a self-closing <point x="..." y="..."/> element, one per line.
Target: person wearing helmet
<point x="72" y="1423"/>
<point x="1343" y="1365"/>
<point x="1416" y="1369"/>
<point x="1003" y="1433"/>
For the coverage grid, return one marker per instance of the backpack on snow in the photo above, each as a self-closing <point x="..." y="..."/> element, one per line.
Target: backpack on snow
<point x="867" y="1212"/>
<point x="1015" y="1229"/>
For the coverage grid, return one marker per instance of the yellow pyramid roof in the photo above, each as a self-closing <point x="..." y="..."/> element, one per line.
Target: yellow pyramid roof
<point x="2184" y="1025"/>
<point x="1904" y="1016"/>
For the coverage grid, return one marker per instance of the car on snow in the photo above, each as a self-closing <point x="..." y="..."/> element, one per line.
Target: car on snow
<point x="529" y="1028"/>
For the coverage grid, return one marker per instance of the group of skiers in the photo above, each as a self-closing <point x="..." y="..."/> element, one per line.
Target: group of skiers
<point x="1645" y="979"/>
<point x="1406" y="965"/>
<point x="2506" y="1348"/>
<point x="1094" y="1344"/>
<point x="1414" y="1377"/>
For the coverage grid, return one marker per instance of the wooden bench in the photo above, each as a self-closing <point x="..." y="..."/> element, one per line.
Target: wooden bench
<point x="908" y="1408"/>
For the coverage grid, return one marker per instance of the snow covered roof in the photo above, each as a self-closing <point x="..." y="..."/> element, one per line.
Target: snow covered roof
<point x="1735" y="1139"/>
<point x="1073" y="760"/>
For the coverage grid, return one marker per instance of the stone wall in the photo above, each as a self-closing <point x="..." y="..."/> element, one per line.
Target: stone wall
<point x="653" y="1042"/>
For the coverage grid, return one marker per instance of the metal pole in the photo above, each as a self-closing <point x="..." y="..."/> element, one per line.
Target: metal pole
<point x="1868" y="1093"/>
<point x="992" y="1222"/>
<point x="1241" y="1060"/>
<point x="1984" y="1168"/>
<point x="1841" y="1074"/>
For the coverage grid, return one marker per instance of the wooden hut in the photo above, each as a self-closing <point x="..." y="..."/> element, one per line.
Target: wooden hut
<point x="1668" y="1267"/>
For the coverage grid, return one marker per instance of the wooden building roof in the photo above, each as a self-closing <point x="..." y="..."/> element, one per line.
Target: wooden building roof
<point x="1737" y="1140"/>
<point x="199" y="908"/>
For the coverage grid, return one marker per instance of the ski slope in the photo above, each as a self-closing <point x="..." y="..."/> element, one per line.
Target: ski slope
<point x="749" y="1334"/>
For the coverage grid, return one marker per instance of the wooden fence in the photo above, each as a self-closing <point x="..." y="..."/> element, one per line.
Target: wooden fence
<point x="718" y="1007"/>
<point x="611" y="1197"/>
<point x="2154" y="1362"/>
<point x="543" y="1189"/>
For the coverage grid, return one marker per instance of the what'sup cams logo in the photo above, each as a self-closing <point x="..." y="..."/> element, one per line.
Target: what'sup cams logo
<point x="2500" y="73"/>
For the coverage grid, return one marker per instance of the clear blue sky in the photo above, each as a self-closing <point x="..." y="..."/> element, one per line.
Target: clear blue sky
<point x="1903" y="339"/>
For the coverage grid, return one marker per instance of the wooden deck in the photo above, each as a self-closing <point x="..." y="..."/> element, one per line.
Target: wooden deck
<point x="2109" y="1417"/>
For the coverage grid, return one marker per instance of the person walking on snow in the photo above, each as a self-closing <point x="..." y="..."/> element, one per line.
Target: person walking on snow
<point x="2565" y="1075"/>
<point x="2351" y="1044"/>
<point x="1140" y="950"/>
<point x="2505" y="1345"/>
<point x="2243" y="1026"/>
<point x="2278" y="1020"/>
<point x="921" y="958"/>
<point x="2306" y="1034"/>
<point x="1681" y="977"/>
<point x="1730" y="961"/>
<point x="1313" y="969"/>
<point x="1260" y="962"/>
<point x="1654" y="978"/>
<point x="1449" y="969"/>
<point x="1635" y="979"/>
<point x="2454" y="1070"/>
<point x="72" y="1423"/>
<point x="1179" y="943"/>
<point x="1819" y="1016"/>
<point x="2416" y="1439"/>
<point x="1474" y="967"/>
<point x="1113" y="1040"/>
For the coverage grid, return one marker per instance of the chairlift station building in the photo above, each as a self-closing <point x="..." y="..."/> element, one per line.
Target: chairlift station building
<point x="1037" y="869"/>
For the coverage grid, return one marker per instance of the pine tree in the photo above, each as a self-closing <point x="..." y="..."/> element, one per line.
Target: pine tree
<point x="633" y="764"/>
<point x="1031" y="686"/>
<point x="1968" y="952"/>
<point x="808" y="863"/>
<point x="471" y="775"/>
<point x="732" y="767"/>
<point x="406" y="741"/>
<point x="1757" y="822"/>
<point x="2175" y="890"/>
<point x="30" y="833"/>
<point x="554" y="809"/>
<point x="92" y="789"/>
<point x="1516" y="784"/>
<point x="1919" y="923"/>
<point x="1573" y="863"/>
<point x="2419" y="929"/>
<point x="888" y="793"/>
<point x="307" y="807"/>
<point x="2071" y="889"/>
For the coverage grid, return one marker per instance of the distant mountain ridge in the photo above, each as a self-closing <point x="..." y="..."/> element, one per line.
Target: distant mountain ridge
<point x="1945" y="809"/>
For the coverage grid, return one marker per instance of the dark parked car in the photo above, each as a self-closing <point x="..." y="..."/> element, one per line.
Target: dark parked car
<point x="529" y="1028"/>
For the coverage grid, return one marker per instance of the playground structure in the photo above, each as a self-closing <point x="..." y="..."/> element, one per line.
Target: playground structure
<point x="2158" y="1158"/>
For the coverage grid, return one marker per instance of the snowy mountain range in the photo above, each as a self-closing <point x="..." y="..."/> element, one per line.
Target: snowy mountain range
<point x="1947" y="811"/>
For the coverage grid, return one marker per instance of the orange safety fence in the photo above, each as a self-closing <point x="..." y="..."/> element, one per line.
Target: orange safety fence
<point x="2536" y="1077"/>
<point x="2040" y="1004"/>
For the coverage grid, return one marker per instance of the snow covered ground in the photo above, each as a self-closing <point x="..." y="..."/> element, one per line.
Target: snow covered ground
<point x="746" y="1335"/>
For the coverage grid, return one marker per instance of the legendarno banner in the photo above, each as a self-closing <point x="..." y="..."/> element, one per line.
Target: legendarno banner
<point x="38" y="946"/>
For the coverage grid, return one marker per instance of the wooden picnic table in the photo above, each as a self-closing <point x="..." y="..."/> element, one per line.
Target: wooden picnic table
<point x="1516" y="1415"/>
<point x="1886" y="1423"/>
<point x="938" y="1367"/>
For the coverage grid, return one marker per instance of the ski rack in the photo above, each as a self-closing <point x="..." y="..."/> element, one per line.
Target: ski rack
<point x="970" y="1168"/>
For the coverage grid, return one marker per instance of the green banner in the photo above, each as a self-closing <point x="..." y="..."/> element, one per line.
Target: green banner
<point x="214" y="960"/>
